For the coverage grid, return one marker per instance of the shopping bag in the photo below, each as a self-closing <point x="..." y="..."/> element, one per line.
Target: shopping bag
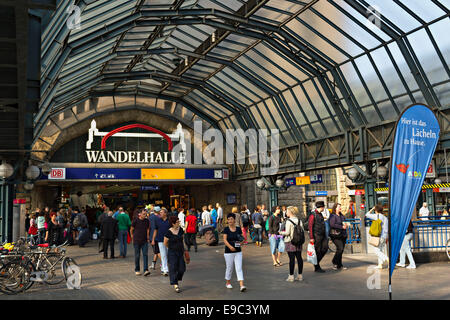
<point x="128" y="238"/>
<point x="311" y="254"/>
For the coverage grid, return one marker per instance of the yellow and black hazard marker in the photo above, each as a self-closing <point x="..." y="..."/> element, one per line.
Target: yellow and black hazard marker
<point x="425" y="186"/>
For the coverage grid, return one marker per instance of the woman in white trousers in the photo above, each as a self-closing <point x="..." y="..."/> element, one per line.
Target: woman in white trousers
<point x="379" y="251"/>
<point x="233" y="239"/>
<point x="406" y="249"/>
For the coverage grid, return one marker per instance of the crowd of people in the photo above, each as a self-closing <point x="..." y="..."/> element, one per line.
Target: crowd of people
<point x="172" y="233"/>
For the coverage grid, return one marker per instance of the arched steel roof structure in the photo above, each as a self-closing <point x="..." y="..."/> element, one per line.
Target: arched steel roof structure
<point x="331" y="75"/>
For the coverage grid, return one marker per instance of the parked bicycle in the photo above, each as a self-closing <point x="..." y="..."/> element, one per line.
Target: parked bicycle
<point x="23" y="264"/>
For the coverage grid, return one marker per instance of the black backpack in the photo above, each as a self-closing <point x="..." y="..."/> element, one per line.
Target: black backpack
<point x="244" y="218"/>
<point x="298" y="238"/>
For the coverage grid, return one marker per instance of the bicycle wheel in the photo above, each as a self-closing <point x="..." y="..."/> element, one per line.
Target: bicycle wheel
<point x="71" y="271"/>
<point x="29" y="267"/>
<point x="15" y="277"/>
<point x="53" y="269"/>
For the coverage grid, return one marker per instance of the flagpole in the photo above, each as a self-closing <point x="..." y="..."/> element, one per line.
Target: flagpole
<point x="389" y="255"/>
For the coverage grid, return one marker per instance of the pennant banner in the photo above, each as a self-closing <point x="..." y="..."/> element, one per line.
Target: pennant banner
<point x="416" y="137"/>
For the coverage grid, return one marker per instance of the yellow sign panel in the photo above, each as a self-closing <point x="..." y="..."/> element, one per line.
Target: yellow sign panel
<point x="302" y="180"/>
<point x="163" y="174"/>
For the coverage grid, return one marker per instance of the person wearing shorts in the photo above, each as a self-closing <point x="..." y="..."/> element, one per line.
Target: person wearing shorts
<point x="276" y="240"/>
<point x="154" y="215"/>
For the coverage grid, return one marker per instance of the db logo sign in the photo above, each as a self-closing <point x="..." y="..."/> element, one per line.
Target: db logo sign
<point x="57" y="173"/>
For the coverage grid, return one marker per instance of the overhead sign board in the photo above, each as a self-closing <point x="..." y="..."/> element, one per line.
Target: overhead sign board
<point x="316" y="178"/>
<point x="302" y="181"/>
<point x="145" y="174"/>
<point x="163" y="174"/>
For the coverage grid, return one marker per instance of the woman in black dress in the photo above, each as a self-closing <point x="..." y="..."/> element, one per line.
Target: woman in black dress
<point x="53" y="234"/>
<point x="173" y="240"/>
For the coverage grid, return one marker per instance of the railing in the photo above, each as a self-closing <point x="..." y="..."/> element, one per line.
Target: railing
<point x="354" y="231"/>
<point x="431" y="234"/>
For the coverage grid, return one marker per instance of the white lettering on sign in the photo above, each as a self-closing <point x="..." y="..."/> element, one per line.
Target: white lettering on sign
<point x="57" y="174"/>
<point x="135" y="157"/>
<point x="103" y="156"/>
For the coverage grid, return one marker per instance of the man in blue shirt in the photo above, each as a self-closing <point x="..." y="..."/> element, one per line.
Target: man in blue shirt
<point x="154" y="216"/>
<point x="213" y="212"/>
<point x="161" y="228"/>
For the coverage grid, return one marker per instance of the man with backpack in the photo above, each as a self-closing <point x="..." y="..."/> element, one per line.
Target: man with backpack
<point x="378" y="233"/>
<point x="245" y="222"/>
<point x="317" y="234"/>
<point x="258" y="221"/>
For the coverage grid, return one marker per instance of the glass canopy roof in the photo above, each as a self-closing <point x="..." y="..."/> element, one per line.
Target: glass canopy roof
<point x="309" y="68"/>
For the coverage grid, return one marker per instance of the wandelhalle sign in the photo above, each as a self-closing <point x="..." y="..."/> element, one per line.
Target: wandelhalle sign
<point x="103" y="156"/>
<point x="415" y="140"/>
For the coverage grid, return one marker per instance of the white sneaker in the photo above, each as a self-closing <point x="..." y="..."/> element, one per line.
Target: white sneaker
<point x="401" y="265"/>
<point x="299" y="277"/>
<point x="410" y="267"/>
<point x="290" y="278"/>
<point x="229" y="286"/>
<point x="380" y="266"/>
<point x="138" y="273"/>
<point x="243" y="288"/>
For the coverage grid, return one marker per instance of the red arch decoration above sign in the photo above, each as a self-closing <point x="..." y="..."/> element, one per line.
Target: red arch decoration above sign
<point x="131" y="126"/>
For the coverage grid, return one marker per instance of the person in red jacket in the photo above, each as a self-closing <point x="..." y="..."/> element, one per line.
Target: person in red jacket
<point x="317" y="234"/>
<point x="191" y="230"/>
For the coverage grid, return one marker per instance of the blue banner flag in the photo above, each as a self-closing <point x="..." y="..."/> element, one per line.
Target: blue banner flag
<point x="415" y="140"/>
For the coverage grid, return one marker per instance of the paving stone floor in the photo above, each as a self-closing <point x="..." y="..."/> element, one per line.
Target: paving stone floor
<point x="204" y="279"/>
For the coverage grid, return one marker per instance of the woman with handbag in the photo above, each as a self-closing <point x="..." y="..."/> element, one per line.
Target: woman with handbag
<point x="338" y="234"/>
<point x="176" y="256"/>
<point x="233" y="239"/>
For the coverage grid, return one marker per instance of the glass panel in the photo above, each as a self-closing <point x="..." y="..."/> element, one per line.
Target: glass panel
<point x="372" y="81"/>
<point x="362" y="19"/>
<point x="426" y="10"/>
<point x="405" y="70"/>
<point x="395" y="14"/>
<point x="257" y="117"/>
<point x="440" y="35"/>
<point x="427" y="56"/>
<point x="310" y="37"/>
<point x="345" y="23"/>
<point x="262" y="109"/>
<point x="315" y="21"/>
<point x="276" y="114"/>
<point x="354" y="82"/>
<point x="237" y="84"/>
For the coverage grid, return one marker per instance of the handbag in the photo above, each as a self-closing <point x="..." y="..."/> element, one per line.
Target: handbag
<point x="257" y="226"/>
<point x="187" y="257"/>
<point x="374" y="241"/>
<point x="335" y="232"/>
<point x="128" y="238"/>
